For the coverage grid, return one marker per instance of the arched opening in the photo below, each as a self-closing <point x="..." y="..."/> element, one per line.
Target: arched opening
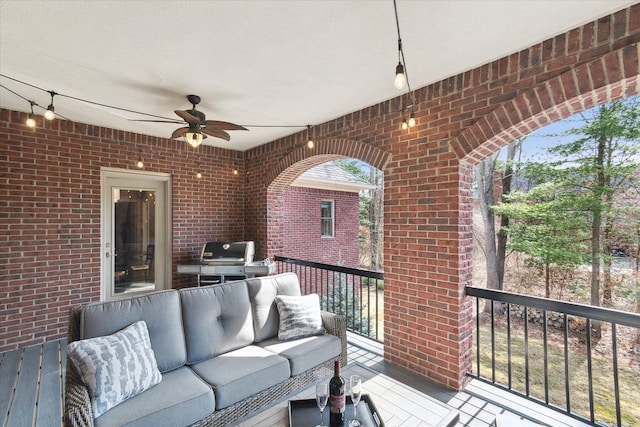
<point x="317" y="224"/>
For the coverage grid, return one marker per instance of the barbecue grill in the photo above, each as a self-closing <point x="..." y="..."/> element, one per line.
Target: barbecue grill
<point x="225" y="261"/>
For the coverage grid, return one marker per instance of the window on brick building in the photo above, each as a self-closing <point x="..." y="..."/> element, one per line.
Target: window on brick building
<point x="327" y="220"/>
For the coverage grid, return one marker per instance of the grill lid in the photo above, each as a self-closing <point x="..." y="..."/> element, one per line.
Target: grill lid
<point x="227" y="253"/>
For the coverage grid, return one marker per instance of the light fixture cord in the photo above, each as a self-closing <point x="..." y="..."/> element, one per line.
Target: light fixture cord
<point x="111" y="106"/>
<point x="400" y="49"/>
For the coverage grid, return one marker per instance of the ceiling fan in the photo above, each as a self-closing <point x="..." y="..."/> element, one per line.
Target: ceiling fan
<point x="198" y="127"/>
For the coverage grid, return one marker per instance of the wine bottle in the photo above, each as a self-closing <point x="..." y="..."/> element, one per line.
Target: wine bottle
<point x="336" y="397"/>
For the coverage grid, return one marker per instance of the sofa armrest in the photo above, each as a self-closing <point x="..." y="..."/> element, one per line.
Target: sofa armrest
<point x="77" y="403"/>
<point x="336" y="324"/>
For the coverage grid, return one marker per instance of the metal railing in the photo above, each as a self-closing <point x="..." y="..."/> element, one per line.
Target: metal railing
<point x="353" y="292"/>
<point x="566" y="356"/>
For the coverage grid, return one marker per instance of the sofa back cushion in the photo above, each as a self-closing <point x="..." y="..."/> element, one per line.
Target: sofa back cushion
<point x="262" y="293"/>
<point x="217" y="319"/>
<point x="160" y="311"/>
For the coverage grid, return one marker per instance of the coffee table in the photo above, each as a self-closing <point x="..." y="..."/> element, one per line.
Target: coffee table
<point x="396" y="403"/>
<point x="305" y="413"/>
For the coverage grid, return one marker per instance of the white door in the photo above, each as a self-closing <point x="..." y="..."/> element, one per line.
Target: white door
<point x="136" y="232"/>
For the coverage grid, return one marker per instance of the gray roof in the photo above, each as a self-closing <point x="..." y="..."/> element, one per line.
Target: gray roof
<point x="330" y="176"/>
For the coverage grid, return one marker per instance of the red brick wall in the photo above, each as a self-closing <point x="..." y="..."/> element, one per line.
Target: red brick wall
<point x="50" y="214"/>
<point x="301" y="226"/>
<point x="428" y="203"/>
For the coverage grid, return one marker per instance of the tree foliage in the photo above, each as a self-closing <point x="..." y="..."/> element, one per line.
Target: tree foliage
<point x="571" y="212"/>
<point x="371" y="211"/>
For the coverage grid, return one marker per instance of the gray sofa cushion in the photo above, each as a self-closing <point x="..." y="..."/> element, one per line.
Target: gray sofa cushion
<point x="161" y="312"/>
<point x="241" y="373"/>
<point x="262" y="292"/>
<point x="305" y="353"/>
<point x="180" y="399"/>
<point x="217" y="319"/>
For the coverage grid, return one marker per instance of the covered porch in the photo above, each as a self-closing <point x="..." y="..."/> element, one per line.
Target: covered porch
<point x="51" y="196"/>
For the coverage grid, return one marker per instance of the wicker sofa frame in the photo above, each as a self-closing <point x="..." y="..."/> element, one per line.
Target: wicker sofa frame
<point x="77" y="403"/>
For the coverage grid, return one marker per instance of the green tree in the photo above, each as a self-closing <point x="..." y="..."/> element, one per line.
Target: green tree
<point x="544" y="225"/>
<point x="344" y="300"/>
<point x="371" y="211"/>
<point x="600" y="162"/>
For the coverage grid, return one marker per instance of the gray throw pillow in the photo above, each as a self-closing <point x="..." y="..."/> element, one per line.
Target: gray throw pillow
<point x="115" y="367"/>
<point x="299" y="316"/>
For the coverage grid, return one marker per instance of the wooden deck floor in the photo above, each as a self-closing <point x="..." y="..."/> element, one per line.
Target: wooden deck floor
<point x="32" y="384"/>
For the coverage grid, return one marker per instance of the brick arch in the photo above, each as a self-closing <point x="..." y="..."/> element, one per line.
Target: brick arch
<point x="302" y="158"/>
<point x="611" y="77"/>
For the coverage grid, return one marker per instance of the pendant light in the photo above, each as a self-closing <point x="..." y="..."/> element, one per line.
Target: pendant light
<point x="31" y="121"/>
<point x="401" y="76"/>
<point x="310" y="143"/>
<point x="50" y="113"/>
<point x="140" y="163"/>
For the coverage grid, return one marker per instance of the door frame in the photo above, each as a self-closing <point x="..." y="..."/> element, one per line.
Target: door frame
<point x="165" y="236"/>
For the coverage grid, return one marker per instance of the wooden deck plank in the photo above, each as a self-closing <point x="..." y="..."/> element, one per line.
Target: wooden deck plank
<point x="22" y="409"/>
<point x="50" y="396"/>
<point x="9" y="366"/>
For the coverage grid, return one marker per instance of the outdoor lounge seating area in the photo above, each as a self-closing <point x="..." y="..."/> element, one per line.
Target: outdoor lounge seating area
<point x="204" y="355"/>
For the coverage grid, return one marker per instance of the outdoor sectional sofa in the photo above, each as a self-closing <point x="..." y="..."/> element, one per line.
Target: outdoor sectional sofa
<point x="216" y="348"/>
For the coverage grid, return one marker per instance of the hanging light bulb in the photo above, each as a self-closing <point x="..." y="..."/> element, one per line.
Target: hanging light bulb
<point x="412" y="119"/>
<point x="50" y="113"/>
<point x="235" y="171"/>
<point x="194" y="139"/>
<point x="404" y="124"/>
<point x="401" y="79"/>
<point x="31" y="121"/>
<point x="310" y="143"/>
<point x="139" y="163"/>
<point x="199" y="175"/>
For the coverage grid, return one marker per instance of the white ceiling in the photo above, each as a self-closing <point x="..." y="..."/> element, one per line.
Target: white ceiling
<point x="274" y="63"/>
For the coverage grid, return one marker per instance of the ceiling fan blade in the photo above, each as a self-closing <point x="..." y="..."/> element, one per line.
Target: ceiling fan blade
<point x="217" y="133"/>
<point x="218" y="125"/>
<point x="187" y="117"/>
<point x="155" y="121"/>
<point x="179" y="132"/>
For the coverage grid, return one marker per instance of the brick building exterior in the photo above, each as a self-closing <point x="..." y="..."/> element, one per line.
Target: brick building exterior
<point x="50" y="190"/>
<point x="302" y="200"/>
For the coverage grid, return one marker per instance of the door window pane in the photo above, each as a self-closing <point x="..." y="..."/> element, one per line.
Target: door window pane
<point x="134" y="240"/>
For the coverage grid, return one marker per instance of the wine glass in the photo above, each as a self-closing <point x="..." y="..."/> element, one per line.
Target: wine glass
<point x="356" y="392"/>
<point x="322" y="394"/>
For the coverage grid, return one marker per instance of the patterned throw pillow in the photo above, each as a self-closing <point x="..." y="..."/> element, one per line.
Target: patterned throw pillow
<point x="299" y="316"/>
<point x="115" y="367"/>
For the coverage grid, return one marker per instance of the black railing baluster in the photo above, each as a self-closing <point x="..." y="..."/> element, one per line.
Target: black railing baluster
<point x="616" y="384"/>
<point x="509" y="344"/>
<point x="526" y="350"/>
<point x="478" y="335"/>
<point x="566" y="363"/>
<point x="546" y="356"/>
<point x="589" y="371"/>
<point x="493" y="342"/>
